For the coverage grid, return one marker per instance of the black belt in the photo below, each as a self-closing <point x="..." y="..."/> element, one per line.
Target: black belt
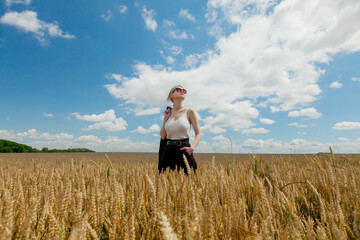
<point x="177" y="142"/>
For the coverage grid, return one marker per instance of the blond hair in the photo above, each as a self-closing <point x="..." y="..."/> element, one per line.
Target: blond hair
<point x="169" y="98"/>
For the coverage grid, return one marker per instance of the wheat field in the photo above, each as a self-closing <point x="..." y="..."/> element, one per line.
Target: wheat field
<point x="96" y="196"/>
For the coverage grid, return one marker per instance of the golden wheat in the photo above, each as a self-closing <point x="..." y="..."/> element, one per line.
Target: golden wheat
<point x="278" y="197"/>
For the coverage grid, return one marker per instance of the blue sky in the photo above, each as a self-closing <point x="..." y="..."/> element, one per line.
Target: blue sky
<point x="268" y="76"/>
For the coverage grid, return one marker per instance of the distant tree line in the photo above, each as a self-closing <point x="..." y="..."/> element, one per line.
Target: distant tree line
<point x="14" y="147"/>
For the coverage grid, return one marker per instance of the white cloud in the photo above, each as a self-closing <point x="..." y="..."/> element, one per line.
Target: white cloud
<point x="355" y="79"/>
<point x="212" y="129"/>
<point x="111" y="143"/>
<point x="343" y="139"/>
<point x="48" y="114"/>
<point x="170" y="60"/>
<point x="260" y="145"/>
<point x="125" y="144"/>
<point x="194" y="60"/>
<point x="255" y="131"/>
<point x="336" y="84"/>
<point x="117" y="77"/>
<point x="267" y="121"/>
<point x="107" y="16"/>
<point x="221" y="139"/>
<point x="122" y="8"/>
<point x="28" y="21"/>
<point x="148" y="111"/>
<point x="168" y="23"/>
<point x="107" y="116"/>
<point x="33" y="134"/>
<point x="23" y="2"/>
<point x="48" y="136"/>
<point x="106" y="121"/>
<point x="141" y="130"/>
<point x="216" y="30"/>
<point x="302" y="133"/>
<point x="90" y="139"/>
<point x="241" y="114"/>
<point x="152" y="128"/>
<point x="64" y="141"/>
<point x="304" y="145"/>
<point x="174" y="50"/>
<point x="273" y="56"/>
<point x="118" y="124"/>
<point x="273" y="108"/>
<point x="218" y="143"/>
<point x="346" y="125"/>
<point x="307" y="112"/>
<point x="10" y="135"/>
<point x="237" y="12"/>
<point x="299" y="125"/>
<point x="176" y="34"/>
<point x="172" y="32"/>
<point x="276" y="146"/>
<point x="211" y="16"/>
<point x="51" y="144"/>
<point x="185" y="14"/>
<point x="149" y="18"/>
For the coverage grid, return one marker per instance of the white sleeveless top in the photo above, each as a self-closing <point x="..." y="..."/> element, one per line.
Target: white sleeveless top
<point x="179" y="128"/>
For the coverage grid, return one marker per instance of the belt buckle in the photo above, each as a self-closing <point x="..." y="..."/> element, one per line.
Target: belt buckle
<point x="178" y="143"/>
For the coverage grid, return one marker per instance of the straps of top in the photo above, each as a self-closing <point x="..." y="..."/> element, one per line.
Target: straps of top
<point x="186" y="111"/>
<point x="187" y="116"/>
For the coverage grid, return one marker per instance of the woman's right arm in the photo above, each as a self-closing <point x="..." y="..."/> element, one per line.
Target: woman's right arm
<point x="166" y="117"/>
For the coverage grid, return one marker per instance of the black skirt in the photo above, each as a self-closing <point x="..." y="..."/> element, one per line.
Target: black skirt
<point x="172" y="156"/>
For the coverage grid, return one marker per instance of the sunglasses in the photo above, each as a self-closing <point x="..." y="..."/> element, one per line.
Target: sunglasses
<point x="180" y="90"/>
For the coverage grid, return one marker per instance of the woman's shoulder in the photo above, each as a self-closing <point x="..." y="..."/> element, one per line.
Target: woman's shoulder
<point x="191" y="111"/>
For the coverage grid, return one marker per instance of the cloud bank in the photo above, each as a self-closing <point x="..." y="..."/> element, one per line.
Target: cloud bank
<point x="270" y="61"/>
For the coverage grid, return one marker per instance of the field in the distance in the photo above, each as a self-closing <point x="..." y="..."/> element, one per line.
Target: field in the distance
<point x="115" y="156"/>
<point x="139" y="156"/>
<point x="87" y="196"/>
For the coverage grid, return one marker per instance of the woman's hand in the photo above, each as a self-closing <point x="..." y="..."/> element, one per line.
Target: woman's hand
<point x="189" y="150"/>
<point x="167" y="114"/>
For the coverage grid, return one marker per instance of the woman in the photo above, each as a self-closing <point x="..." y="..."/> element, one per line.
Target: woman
<point x="175" y="133"/>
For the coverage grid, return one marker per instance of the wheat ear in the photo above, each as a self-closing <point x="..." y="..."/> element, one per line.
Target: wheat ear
<point x="166" y="229"/>
<point x="187" y="167"/>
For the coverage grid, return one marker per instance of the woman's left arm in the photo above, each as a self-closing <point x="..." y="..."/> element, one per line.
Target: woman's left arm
<point x="196" y="127"/>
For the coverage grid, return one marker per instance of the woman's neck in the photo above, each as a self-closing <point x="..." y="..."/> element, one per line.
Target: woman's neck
<point x="178" y="105"/>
